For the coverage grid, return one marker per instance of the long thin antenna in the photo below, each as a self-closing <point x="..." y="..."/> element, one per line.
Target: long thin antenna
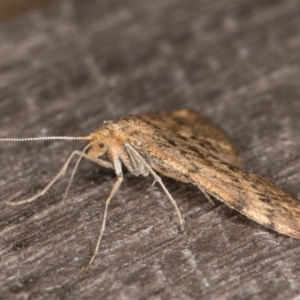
<point x="43" y="138"/>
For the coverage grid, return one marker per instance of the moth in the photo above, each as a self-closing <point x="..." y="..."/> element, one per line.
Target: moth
<point x="186" y="147"/>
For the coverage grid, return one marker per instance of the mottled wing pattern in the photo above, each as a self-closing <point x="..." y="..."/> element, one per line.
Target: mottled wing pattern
<point x="252" y="195"/>
<point x="186" y="126"/>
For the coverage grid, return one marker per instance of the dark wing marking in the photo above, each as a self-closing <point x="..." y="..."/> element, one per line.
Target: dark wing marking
<point x="186" y="126"/>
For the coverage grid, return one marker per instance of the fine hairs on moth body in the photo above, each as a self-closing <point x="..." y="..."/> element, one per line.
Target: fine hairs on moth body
<point x="184" y="146"/>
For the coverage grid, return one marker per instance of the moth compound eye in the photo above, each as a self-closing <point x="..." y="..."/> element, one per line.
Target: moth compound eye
<point x="102" y="147"/>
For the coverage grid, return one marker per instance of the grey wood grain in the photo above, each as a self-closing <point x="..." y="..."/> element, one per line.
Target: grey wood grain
<point x="67" y="68"/>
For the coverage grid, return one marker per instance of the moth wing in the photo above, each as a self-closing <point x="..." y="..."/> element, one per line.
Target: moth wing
<point x="186" y="126"/>
<point x="251" y="195"/>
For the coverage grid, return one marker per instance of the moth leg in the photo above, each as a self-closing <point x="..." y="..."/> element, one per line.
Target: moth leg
<point x="62" y="171"/>
<point x="207" y="196"/>
<point x="157" y="179"/>
<point x="82" y="154"/>
<point x="102" y="227"/>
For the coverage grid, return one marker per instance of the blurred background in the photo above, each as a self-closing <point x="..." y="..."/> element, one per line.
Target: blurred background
<point x="13" y="8"/>
<point x="68" y="65"/>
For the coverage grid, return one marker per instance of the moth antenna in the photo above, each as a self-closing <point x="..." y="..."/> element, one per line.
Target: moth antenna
<point x="74" y="170"/>
<point x="44" y="138"/>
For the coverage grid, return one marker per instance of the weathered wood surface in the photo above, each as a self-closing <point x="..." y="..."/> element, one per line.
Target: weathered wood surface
<point x="66" y="68"/>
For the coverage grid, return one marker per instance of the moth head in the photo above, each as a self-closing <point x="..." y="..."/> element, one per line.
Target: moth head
<point x="100" y="141"/>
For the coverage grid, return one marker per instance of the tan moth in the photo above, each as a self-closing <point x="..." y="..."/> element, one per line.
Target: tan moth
<point x="184" y="146"/>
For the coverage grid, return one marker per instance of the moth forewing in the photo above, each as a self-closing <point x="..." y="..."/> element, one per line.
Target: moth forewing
<point x="173" y="156"/>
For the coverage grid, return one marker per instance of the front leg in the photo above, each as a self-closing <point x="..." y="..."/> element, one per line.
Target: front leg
<point x="62" y="171"/>
<point x="117" y="165"/>
<point x="135" y="154"/>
